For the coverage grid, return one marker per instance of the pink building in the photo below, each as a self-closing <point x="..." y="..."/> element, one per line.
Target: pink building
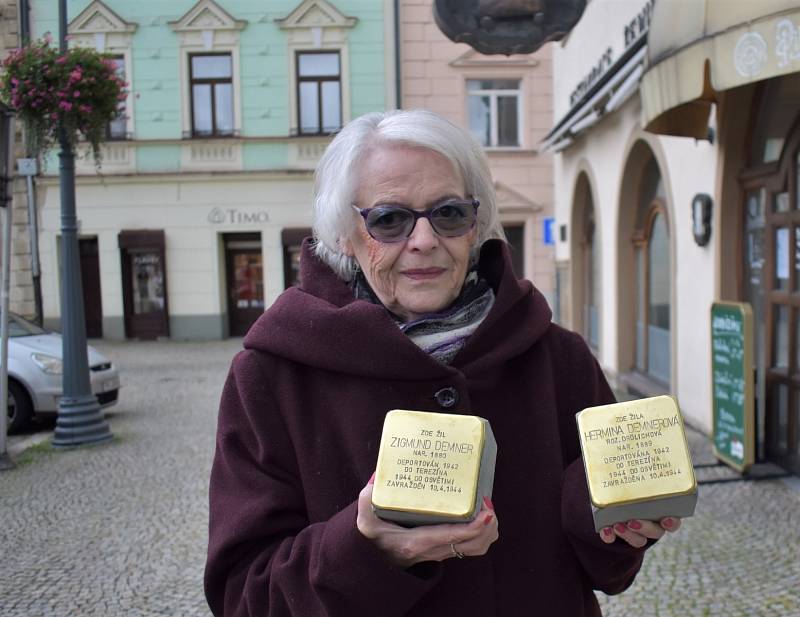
<point x="506" y="102"/>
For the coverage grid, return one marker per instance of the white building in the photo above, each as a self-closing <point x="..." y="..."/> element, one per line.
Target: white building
<point x="667" y="112"/>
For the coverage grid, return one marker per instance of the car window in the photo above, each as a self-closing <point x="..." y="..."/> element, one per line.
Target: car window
<point x="17" y="326"/>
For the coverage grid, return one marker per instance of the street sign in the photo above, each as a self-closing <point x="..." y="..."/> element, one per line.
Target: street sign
<point x="732" y="393"/>
<point x="548" y="224"/>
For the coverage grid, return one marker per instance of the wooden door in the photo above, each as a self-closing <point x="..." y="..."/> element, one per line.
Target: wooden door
<point x="90" y="280"/>
<point x="244" y="281"/>
<point x="144" y="284"/>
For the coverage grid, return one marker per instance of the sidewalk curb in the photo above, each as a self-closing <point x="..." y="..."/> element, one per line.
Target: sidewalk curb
<point x="19" y="447"/>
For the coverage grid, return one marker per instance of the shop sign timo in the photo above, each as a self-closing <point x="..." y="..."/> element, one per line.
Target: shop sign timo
<point x="236" y="216"/>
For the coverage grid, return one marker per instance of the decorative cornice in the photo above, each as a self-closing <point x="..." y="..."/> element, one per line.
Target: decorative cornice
<point x="316" y="14"/>
<point x="97" y="18"/>
<point x="472" y="58"/>
<point x="207" y="15"/>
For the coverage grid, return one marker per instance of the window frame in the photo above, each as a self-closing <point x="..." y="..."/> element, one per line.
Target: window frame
<point x="641" y="242"/>
<point x="319" y="79"/>
<point x="124" y="112"/>
<point x="494" y="119"/>
<point x="212" y="81"/>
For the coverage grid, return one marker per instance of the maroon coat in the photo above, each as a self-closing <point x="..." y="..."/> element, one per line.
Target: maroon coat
<point x="299" y="428"/>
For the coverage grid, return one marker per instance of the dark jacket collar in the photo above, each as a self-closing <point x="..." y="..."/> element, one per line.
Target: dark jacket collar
<point x="321" y="324"/>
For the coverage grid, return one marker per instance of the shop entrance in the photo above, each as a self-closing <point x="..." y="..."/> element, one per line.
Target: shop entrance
<point x="772" y="286"/>
<point x="244" y="275"/>
<point x="90" y="282"/>
<point x="144" y="283"/>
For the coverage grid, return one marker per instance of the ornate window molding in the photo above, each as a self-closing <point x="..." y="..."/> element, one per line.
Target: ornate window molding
<point x="204" y="28"/>
<point x="317" y="25"/>
<point x="99" y="27"/>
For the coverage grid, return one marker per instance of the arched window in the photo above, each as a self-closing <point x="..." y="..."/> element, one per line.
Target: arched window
<point x="653" y="279"/>
<point x="591" y="285"/>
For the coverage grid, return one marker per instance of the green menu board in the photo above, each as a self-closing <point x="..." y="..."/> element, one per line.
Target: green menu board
<point x="732" y="383"/>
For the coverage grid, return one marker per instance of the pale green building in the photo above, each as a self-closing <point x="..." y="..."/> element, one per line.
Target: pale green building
<point x="206" y="187"/>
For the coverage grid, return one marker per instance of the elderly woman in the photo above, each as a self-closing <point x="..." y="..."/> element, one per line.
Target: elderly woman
<point x="407" y="300"/>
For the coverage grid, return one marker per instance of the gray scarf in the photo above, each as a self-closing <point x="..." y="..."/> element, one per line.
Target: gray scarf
<point x="445" y="333"/>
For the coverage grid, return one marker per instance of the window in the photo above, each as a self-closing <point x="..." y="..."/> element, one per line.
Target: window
<point x="292" y="240"/>
<point x="118" y="127"/>
<point x="493" y="106"/>
<point x="516" y="240"/>
<point x="592" y="274"/>
<point x="319" y="93"/>
<point x="653" y="280"/>
<point x="211" y="77"/>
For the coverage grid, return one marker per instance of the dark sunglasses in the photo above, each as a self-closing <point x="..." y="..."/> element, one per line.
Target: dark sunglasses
<point x="396" y="223"/>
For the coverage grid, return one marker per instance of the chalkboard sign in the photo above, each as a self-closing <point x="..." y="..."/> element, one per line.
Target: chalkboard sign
<point x="732" y="383"/>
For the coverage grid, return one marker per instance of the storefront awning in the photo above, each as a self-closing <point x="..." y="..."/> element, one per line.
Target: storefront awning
<point x="699" y="48"/>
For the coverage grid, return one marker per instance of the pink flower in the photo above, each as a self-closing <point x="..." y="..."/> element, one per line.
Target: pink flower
<point x="76" y="94"/>
<point x="54" y="116"/>
<point x="15" y="81"/>
<point x="87" y="109"/>
<point x="65" y="105"/>
<point x="61" y="60"/>
<point x="76" y="75"/>
<point x="122" y="96"/>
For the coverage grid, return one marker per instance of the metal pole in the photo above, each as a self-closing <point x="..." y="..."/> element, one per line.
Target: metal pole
<point x="29" y="168"/>
<point x="80" y="420"/>
<point x="5" y="275"/>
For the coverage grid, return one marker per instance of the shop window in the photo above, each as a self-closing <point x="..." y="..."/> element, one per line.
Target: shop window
<point x="211" y="86"/>
<point x="653" y="280"/>
<point x="494" y="110"/>
<point x="591" y="291"/>
<point x="319" y="93"/>
<point x="292" y="240"/>
<point x="778" y="110"/>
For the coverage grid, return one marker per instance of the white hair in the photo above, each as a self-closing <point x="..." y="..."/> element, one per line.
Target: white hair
<point x="336" y="175"/>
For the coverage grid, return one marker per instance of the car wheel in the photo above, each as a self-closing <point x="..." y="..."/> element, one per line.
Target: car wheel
<point x="20" y="410"/>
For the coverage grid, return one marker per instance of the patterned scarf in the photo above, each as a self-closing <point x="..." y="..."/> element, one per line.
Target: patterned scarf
<point x="442" y="334"/>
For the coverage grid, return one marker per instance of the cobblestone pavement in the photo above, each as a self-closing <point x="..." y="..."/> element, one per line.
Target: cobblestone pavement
<point x="120" y="529"/>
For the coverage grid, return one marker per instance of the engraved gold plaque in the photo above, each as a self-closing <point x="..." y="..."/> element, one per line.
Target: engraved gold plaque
<point x="637" y="461"/>
<point x="433" y="467"/>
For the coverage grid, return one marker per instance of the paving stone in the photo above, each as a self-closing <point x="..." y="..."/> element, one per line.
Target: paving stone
<point x="120" y="529"/>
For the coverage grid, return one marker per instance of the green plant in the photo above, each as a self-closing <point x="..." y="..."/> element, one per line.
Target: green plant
<point x="78" y="90"/>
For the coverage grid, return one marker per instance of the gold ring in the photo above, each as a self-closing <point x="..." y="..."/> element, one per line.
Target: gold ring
<point x="456" y="553"/>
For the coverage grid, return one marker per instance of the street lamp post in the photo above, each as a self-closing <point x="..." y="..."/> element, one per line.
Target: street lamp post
<point x="80" y="420"/>
<point x="6" y="156"/>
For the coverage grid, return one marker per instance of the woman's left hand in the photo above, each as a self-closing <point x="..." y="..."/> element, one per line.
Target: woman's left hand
<point x="637" y="532"/>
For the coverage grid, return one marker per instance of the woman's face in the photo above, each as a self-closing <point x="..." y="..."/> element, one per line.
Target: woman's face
<point x="424" y="273"/>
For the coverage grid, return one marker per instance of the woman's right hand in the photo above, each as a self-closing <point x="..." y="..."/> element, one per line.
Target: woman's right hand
<point x="405" y="547"/>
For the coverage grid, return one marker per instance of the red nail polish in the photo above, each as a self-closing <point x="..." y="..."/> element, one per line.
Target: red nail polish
<point x="607" y="532"/>
<point x="487" y="519"/>
<point x="372" y="478"/>
<point x="488" y="503"/>
<point x="635" y="525"/>
<point x="620" y="528"/>
<point x="668" y="522"/>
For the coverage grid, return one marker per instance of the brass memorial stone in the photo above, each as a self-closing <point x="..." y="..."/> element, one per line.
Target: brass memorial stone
<point x="433" y="467"/>
<point x="637" y="461"/>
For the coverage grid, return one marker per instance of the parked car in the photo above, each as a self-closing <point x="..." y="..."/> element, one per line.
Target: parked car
<point x="35" y="373"/>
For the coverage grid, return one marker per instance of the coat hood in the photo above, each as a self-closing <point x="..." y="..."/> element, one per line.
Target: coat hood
<point x="321" y="324"/>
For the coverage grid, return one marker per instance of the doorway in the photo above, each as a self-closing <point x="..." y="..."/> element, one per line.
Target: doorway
<point x="244" y="276"/>
<point x="144" y="283"/>
<point x="90" y="279"/>
<point x="771" y="283"/>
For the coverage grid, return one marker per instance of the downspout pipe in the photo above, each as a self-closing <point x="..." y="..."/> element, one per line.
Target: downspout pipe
<point x="397" y="61"/>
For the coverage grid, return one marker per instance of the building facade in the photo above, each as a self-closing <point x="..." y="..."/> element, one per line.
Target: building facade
<point x="677" y="141"/>
<point x="506" y="103"/>
<point x="193" y="225"/>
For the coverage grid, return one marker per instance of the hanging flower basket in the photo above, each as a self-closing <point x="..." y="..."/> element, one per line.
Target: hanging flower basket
<point x="78" y="90"/>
